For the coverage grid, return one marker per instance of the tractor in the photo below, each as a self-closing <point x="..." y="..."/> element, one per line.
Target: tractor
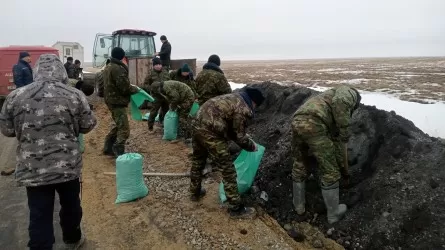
<point x="140" y="49"/>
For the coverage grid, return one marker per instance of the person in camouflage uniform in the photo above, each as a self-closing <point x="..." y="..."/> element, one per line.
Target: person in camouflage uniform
<point x="211" y="81"/>
<point x="180" y="97"/>
<point x="158" y="73"/>
<point x="218" y="121"/>
<point x="47" y="117"/>
<point x="117" y="93"/>
<point x="320" y="127"/>
<point x="185" y="75"/>
<point x="160" y="105"/>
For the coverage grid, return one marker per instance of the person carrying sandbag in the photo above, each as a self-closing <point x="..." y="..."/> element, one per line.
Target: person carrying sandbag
<point x="220" y="120"/>
<point x="181" y="98"/>
<point x="320" y="126"/>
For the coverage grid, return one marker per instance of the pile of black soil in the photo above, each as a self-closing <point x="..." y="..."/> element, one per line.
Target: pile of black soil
<point x="396" y="194"/>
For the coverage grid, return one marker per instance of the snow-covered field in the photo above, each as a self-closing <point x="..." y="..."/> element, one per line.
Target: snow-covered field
<point x="411" y="79"/>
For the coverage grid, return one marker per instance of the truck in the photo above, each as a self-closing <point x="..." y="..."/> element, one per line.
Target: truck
<point x="140" y="49"/>
<point x="9" y="56"/>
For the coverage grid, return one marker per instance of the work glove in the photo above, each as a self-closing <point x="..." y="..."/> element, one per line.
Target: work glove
<point x="173" y="107"/>
<point x="254" y="146"/>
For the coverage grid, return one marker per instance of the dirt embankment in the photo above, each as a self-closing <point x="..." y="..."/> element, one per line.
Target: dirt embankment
<point x="397" y="196"/>
<point x="166" y="218"/>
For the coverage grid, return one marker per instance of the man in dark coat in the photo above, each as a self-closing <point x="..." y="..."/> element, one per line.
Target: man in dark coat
<point x="164" y="54"/>
<point x="22" y="71"/>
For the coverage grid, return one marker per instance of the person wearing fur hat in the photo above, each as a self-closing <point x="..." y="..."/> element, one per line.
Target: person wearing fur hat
<point x="117" y="93"/>
<point x="219" y="120"/>
<point x="185" y="75"/>
<point x="22" y="71"/>
<point x="211" y="81"/>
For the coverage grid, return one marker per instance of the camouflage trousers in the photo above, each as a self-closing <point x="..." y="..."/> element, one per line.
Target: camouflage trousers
<point x="121" y="128"/>
<point x="185" y="121"/>
<point x="206" y="144"/>
<point x="311" y="139"/>
<point x="160" y="105"/>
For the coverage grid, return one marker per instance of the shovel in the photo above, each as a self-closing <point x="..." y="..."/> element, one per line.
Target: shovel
<point x="345" y="169"/>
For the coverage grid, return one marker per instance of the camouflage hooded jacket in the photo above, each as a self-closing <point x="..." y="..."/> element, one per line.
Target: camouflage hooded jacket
<point x="47" y="117"/>
<point x="333" y="108"/>
<point x="117" y="90"/>
<point x="226" y="117"/>
<point x="211" y="82"/>
<point x="175" y="92"/>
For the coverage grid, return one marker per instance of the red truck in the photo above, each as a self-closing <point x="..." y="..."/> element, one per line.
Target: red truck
<point x="9" y="56"/>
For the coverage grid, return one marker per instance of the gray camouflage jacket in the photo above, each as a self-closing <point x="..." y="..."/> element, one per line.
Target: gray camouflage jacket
<point x="47" y="116"/>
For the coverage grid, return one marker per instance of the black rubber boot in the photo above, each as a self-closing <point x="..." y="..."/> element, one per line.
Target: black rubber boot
<point x="198" y="195"/>
<point x="108" y="146"/>
<point x="242" y="212"/>
<point x="118" y="150"/>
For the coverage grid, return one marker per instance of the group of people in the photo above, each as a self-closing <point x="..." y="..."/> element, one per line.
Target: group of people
<point x="48" y="115"/>
<point x="319" y="127"/>
<point x="73" y="69"/>
<point x="23" y="75"/>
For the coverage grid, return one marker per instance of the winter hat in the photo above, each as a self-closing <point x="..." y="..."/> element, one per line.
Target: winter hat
<point x="214" y="59"/>
<point x="118" y="53"/>
<point x="156" y="61"/>
<point x="185" y="68"/>
<point x="23" y="54"/>
<point x="255" y="95"/>
<point x="163" y="38"/>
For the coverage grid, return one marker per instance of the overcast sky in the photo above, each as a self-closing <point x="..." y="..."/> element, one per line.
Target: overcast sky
<point x="241" y="29"/>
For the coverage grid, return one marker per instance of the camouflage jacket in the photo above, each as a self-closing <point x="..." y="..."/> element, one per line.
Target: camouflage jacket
<point x="175" y="92"/>
<point x="117" y="90"/>
<point x="47" y="118"/>
<point x="176" y="75"/>
<point x="155" y="76"/>
<point x="211" y="82"/>
<point x="226" y="116"/>
<point x="333" y="108"/>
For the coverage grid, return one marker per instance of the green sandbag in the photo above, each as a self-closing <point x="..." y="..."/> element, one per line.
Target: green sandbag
<point x="194" y="109"/>
<point x="246" y="165"/>
<point x="81" y="143"/>
<point x="136" y="101"/>
<point x="129" y="179"/>
<point x="171" y="121"/>
<point x="145" y="117"/>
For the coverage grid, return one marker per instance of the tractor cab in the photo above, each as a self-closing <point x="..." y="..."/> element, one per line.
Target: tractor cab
<point x="135" y="43"/>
